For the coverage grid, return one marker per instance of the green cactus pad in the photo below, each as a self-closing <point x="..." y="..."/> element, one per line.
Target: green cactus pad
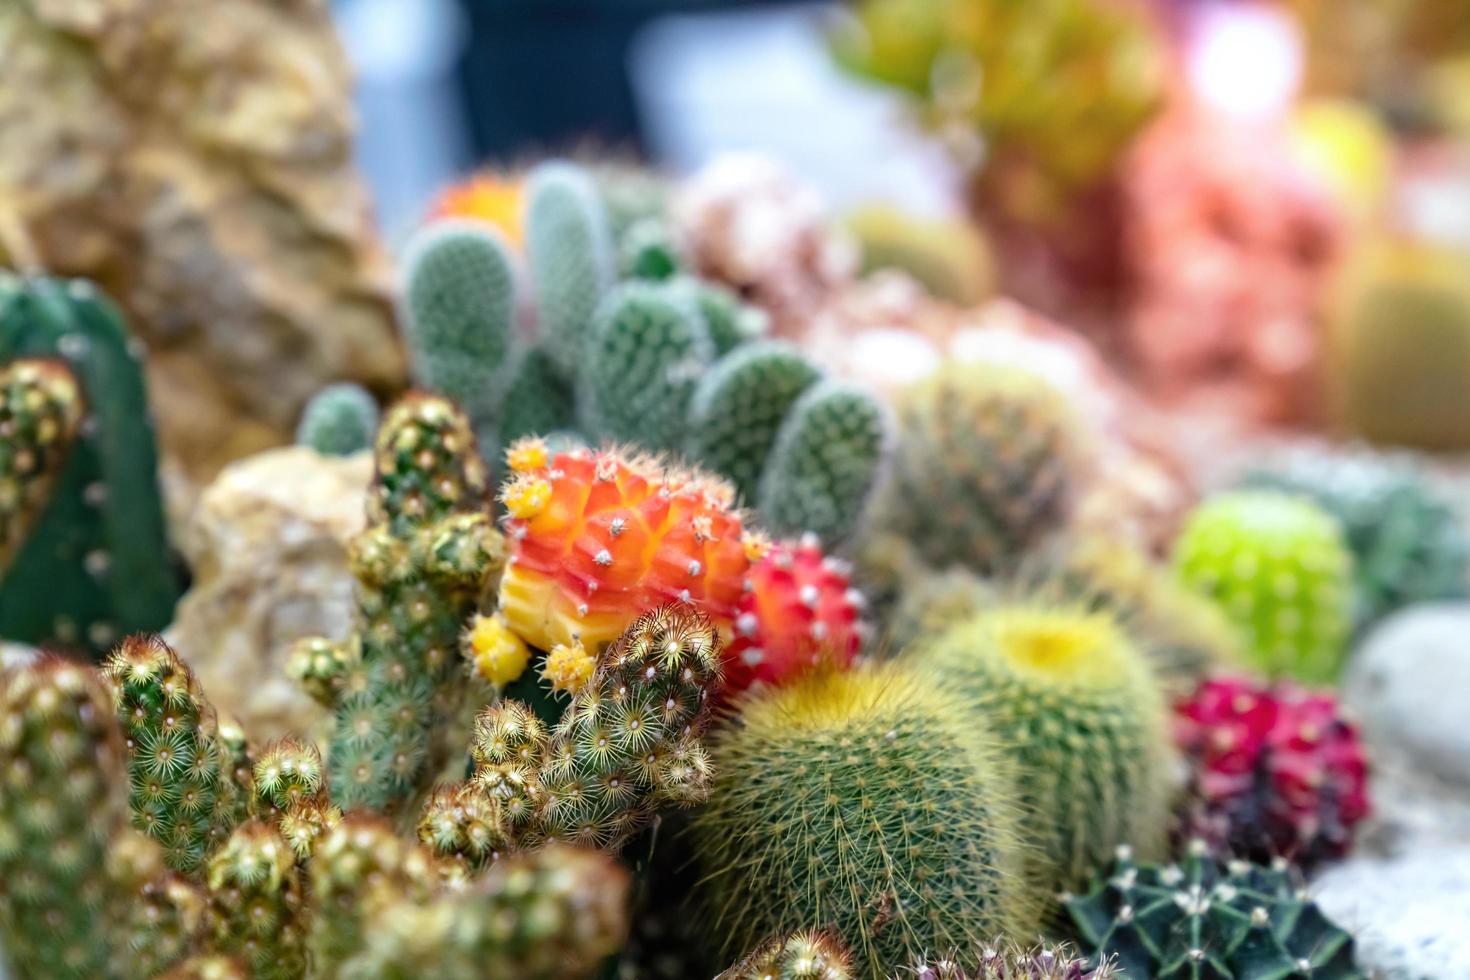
<point x="1280" y="568"/>
<point x="339" y="420"/>
<point x="828" y="461"/>
<point x="460" y="313"/>
<point x="96" y="564"/>
<point x="867" y="801"/>
<point x="572" y="262"/>
<point x="738" y="409"/>
<point x="1199" y="920"/>
<point x="728" y="321"/>
<point x="1079" y="709"/>
<point x="648" y="351"/>
<point x="540" y="400"/>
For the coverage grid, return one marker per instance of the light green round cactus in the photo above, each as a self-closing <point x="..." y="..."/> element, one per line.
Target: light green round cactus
<point x="829" y="459"/>
<point x="868" y="801"/>
<point x="460" y="313"/>
<point x="339" y="420"/>
<point x="648" y="351"/>
<point x="63" y="795"/>
<point x="539" y="401"/>
<point x="1280" y="568"/>
<point x="983" y="469"/>
<point x="1079" y="709"/>
<point x="571" y="254"/>
<point x="739" y="406"/>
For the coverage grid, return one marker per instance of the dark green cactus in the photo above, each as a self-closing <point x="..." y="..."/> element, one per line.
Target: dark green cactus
<point x="96" y="564"/>
<point x="647" y="351"/>
<point x="421" y="565"/>
<point x="460" y="314"/>
<point x="63" y="796"/>
<point x="646" y="251"/>
<point x="183" y="792"/>
<point x="828" y="461"/>
<point x="739" y="406"/>
<point x="339" y="420"/>
<point x="1200" y="920"/>
<point x="1408" y="544"/>
<point x="571" y="254"/>
<point x="553" y="914"/>
<point x="40" y="412"/>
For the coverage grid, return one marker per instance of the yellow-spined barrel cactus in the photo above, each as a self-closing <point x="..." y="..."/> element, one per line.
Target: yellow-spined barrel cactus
<point x="984" y="467"/>
<point x="1401" y="346"/>
<point x="1077" y="706"/>
<point x="868" y="801"/>
<point x="1282" y="571"/>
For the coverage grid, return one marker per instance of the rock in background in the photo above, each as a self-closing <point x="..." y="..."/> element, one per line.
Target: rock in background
<point x="268" y="544"/>
<point x="195" y="160"/>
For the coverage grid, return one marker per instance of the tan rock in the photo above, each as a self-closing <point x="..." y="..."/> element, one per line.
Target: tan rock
<point x="195" y="160"/>
<point x="268" y="545"/>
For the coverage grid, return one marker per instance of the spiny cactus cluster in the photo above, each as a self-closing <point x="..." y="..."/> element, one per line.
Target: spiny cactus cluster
<point x="94" y="564"/>
<point x="1274" y="771"/>
<point x="661" y="361"/>
<point x="428" y="554"/>
<point x="1201" y="920"/>
<point x="1407" y="542"/>
<point x="1076" y="705"/>
<point x="808" y="955"/>
<point x="868" y="801"/>
<point x="1281" y="570"/>
<point x="1012" y="962"/>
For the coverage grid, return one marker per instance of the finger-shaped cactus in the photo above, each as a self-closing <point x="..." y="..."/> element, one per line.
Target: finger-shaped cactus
<point x="572" y="262"/>
<point x="183" y="792"/>
<point x="828" y="460"/>
<point x="460" y="314"/>
<point x="257" y="906"/>
<point x="1281" y="570"/>
<point x="157" y="914"/>
<point x="63" y="795"/>
<point x="40" y="412"/>
<point x="1080" y="711"/>
<point x="598" y="538"/>
<point x="815" y="954"/>
<point x="983" y="468"/>
<point x="870" y="801"/>
<point x="96" y="565"/>
<point x="647" y="350"/>
<point x="339" y="420"/>
<point x="552" y="914"/>
<point x="739" y="406"/>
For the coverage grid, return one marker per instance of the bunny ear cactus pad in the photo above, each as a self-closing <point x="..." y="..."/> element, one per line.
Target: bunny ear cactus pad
<point x="539" y="401"/>
<point x="647" y="351"/>
<point x="1280" y="568"/>
<point x="869" y="801"/>
<point x="739" y="406"/>
<point x="339" y="420"/>
<point x="1079" y="709"/>
<point x="829" y="459"/>
<point x="40" y="412"/>
<point x="572" y="258"/>
<point x="1199" y="920"/>
<point x="460" y="313"/>
<point x="96" y="564"/>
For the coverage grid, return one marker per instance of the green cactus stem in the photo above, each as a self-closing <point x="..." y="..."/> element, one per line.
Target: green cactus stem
<point x="257" y="908"/>
<point x="339" y="420"/>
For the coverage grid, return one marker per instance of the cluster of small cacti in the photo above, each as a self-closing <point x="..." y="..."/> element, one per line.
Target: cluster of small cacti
<point x="660" y="360"/>
<point x="93" y="563"/>
<point x="1274" y="771"/>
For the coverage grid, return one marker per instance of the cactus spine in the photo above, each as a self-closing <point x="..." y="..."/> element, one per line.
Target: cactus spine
<point x="62" y="797"/>
<point x="1280" y="568"/>
<point x="827" y="463"/>
<point x="95" y="566"/>
<point x="183" y="792"/>
<point x="865" y="800"/>
<point x="421" y="565"/>
<point x="339" y="420"/>
<point x="40" y="412"/>
<point x="1078" y="707"/>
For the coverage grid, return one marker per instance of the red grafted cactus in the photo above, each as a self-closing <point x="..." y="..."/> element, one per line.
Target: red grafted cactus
<point x="799" y="610"/>
<point x="599" y="537"/>
<point x="1276" y="770"/>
